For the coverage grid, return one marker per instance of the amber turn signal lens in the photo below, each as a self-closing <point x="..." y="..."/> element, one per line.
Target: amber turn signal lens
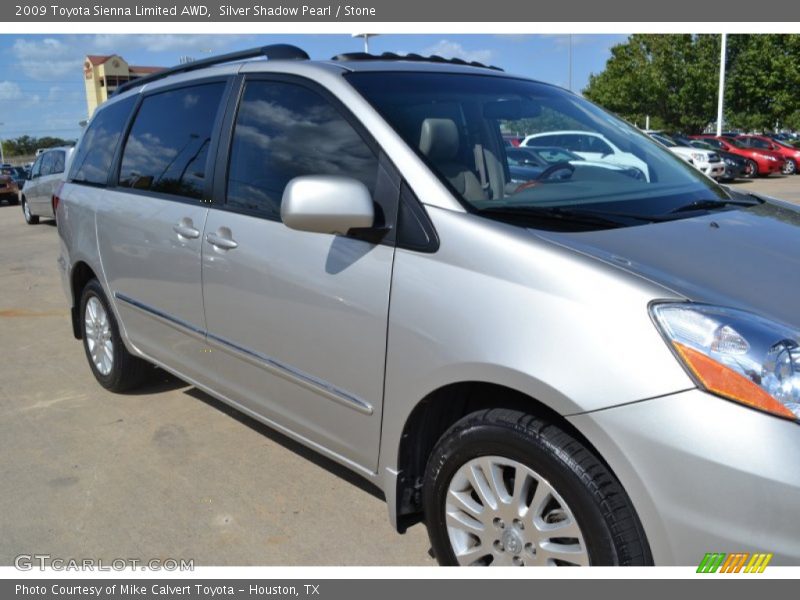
<point x="723" y="381"/>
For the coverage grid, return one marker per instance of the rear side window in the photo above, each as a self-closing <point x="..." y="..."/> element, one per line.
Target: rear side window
<point x="58" y="162"/>
<point x="167" y="149"/>
<point x="47" y="163"/>
<point x="284" y="130"/>
<point x="96" y="151"/>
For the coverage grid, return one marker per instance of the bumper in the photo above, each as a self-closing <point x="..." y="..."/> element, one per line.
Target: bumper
<point x="705" y="475"/>
<point x="768" y="167"/>
<point x="714" y="170"/>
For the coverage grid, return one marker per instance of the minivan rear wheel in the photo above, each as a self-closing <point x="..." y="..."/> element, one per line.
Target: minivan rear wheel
<point x="113" y="366"/>
<point x="504" y="488"/>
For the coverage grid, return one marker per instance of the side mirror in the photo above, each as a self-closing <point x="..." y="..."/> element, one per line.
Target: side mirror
<point x="327" y="204"/>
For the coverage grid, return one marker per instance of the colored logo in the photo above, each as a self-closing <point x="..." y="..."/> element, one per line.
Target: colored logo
<point x="739" y="562"/>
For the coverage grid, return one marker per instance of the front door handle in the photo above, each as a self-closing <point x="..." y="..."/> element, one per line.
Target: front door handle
<point x="184" y="228"/>
<point x="222" y="242"/>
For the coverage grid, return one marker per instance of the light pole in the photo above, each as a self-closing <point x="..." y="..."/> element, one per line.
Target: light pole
<point x="720" y="101"/>
<point x="570" y="62"/>
<point x="2" y="154"/>
<point x="366" y="37"/>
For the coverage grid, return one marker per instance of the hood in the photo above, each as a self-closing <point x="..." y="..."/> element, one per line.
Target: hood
<point x="743" y="258"/>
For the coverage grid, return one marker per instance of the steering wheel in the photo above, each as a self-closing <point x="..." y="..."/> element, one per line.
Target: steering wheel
<point x="555" y="168"/>
<point x="547" y="174"/>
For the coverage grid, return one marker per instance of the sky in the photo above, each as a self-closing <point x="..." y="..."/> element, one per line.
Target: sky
<point x="41" y="78"/>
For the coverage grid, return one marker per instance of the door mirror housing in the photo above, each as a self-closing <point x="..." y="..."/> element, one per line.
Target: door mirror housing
<point x="327" y="204"/>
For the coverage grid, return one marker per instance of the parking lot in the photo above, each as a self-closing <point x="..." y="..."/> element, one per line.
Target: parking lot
<point x="167" y="472"/>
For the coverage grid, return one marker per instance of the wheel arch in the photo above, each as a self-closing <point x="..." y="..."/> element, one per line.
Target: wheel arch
<point x="435" y="413"/>
<point x="80" y="274"/>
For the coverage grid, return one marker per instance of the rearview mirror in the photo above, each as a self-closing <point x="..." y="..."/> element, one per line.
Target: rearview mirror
<point x="327" y="204"/>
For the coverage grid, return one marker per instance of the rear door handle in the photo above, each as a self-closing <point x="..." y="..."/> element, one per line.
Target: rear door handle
<point x="222" y="242"/>
<point x="184" y="229"/>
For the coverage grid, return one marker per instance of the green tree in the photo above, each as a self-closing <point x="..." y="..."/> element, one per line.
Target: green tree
<point x="669" y="78"/>
<point x="674" y="78"/>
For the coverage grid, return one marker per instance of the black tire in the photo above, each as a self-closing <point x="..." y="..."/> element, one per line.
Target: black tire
<point x="127" y="371"/>
<point x="790" y="167"/>
<point x="13" y="200"/>
<point x="751" y="169"/>
<point x="30" y="219"/>
<point x="607" y="520"/>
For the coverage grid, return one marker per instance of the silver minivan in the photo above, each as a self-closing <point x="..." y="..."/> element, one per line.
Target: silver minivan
<point x="579" y="366"/>
<point x="47" y="173"/>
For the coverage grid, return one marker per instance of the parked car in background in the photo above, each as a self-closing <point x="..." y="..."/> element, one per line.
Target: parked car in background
<point x="16" y="173"/>
<point x="759" y="162"/>
<point x="707" y="162"/>
<point x="735" y="166"/>
<point x="512" y="140"/>
<point x="9" y="189"/>
<point x="547" y="157"/>
<point x="589" y="145"/>
<point x="790" y="154"/>
<point x="38" y="196"/>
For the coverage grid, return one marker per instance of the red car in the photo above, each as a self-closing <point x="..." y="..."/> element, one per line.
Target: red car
<point x="761" y="142"/>
<point x="759" y="162"/>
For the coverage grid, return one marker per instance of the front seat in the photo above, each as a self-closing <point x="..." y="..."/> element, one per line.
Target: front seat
<point x="439" y="142"/>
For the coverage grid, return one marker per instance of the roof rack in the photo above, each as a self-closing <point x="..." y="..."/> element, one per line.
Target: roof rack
<point x="271" y="52"/>
<point x="435" y="58"/>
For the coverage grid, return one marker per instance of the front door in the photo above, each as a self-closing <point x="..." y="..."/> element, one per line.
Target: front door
<point x="297" y="321"/>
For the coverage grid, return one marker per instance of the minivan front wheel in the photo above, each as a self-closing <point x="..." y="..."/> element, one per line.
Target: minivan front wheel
<point x="504" y="488"/>
<point x="113" y="366"/>
<point x="30" y="218"/>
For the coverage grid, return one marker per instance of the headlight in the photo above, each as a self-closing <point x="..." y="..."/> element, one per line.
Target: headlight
<point x="729" y="162"/>
<point x="698" y="156"/>
<point x="768" y="157"/>
<point x="736" y="355"/>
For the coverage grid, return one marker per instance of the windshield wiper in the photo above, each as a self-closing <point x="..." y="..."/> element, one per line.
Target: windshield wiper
<point x="712" y="204"/>
<point x="558" y="213"/>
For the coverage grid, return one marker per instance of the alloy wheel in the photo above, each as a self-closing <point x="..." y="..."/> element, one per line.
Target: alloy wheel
<point x="500" y="512"/>
<point x="97" y="329"/>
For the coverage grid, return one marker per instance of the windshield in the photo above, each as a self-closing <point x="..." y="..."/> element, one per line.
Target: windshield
<point x="595" y="164"/>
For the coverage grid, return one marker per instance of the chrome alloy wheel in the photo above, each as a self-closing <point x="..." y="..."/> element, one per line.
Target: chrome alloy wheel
<point x="97" y="329"/>
<point x="500" y="512"/>
<point x="26" y="210"/>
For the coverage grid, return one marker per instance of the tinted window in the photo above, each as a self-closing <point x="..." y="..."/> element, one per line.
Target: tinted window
<point x="167" y="149"/>
<point x="95" y="152"/>
<point x="283" y="131"/>
<point x="47" y="163"/>
<point x="455" y="122"/>
<point x="58" y="162"/>
<point x="756" y="143"/>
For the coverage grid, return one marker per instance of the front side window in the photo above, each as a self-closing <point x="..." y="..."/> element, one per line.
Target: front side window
<point x="285" y="130"/>
<point x="36" y="169"/>
<point x="602" y="172"/>
<point x="95" y="153"/>
<point x="167" y="148"/>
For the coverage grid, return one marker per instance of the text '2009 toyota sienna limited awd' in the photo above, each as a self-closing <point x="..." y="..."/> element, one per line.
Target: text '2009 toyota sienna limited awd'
<point x="587" y="363"/>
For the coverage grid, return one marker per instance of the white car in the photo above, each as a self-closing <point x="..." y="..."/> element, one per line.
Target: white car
<point x="588" y="145"/>
<point x="47" y="173"/>
<point x="705" y="161"/>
